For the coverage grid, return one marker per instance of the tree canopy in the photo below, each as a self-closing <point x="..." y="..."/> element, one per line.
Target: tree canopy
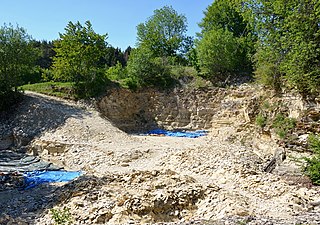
<point x="162" y="43"/>
<point x="17" y="58"/>
<point x="289" y="44"/>
<point x="164" y="33"/>
<point x="80" y="53"/>
<point x="277" y="42"/>
<point x="226" y="42"/>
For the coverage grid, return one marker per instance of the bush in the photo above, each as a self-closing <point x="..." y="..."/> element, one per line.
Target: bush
<point x="116" y="73"/>
<point x="218" y="53"/>
<point x="62" y="217"/>
<point x="183" y="71"/>
<point x="261" y="120"/>
<point x="283" y="125"/>
<point x="91" y="87"/>
<point x="148" y="70"/>
<point x="312" y="168"/>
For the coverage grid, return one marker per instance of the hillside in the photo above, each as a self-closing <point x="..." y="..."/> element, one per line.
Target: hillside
<point x="131" y="178"/>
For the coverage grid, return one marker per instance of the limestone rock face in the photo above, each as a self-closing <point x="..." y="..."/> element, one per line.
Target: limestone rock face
<point x="177" y="109"/>
<point x="137" y="179"/>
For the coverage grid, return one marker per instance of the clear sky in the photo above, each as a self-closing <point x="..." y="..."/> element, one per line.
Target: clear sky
<point x="44" y="20"/>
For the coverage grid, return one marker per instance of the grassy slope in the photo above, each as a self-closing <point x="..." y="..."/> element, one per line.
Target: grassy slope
<point x="59" y="89"/>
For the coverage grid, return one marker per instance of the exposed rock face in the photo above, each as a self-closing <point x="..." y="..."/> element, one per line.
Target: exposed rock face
<point x="193" y="109"/>
<point x="133" y="179"/>
<point x="178" y="109"/>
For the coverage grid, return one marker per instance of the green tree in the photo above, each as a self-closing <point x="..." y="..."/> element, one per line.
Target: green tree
<point x="218" y="52"/>
<point x="79" y="58"/>
<point x="146" y="70"/>
<point x="289" y="44"/>
<point x="226" y="42"/>
<point x="17" y="58"/>
<point x="223" y="14"/>
<point x="301" y="41"/>
<point x="161" y="44"/>
<point x="117" y="72"/>
<point x="163" y="33"/>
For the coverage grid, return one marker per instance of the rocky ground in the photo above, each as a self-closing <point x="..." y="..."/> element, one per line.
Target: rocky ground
<point x="137" y="179"/>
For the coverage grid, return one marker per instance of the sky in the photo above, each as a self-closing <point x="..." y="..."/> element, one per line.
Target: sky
<point x="44" y="20"/>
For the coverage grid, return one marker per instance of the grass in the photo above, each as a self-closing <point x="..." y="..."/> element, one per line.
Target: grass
<point x="59" y="89"/>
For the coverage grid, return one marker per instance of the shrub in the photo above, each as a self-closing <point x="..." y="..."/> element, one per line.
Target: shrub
<point x="62" y="217"/>
<point x="261" y="120"/>
<point x="148" y="70"/>
<point x="183" y="71"/>
<point x="282" y="125"/>
<point x="312" y="168"/>
<point x="116" y="72"/>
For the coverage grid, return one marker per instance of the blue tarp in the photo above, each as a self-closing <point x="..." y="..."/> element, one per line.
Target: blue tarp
<point x="34" y="178"/>
<point x="187" y="134"/>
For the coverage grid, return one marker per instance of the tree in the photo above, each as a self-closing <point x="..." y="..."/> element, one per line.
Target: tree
<point x="226" y="42"/>
<point x="80" y="58"/>
<point x="17" y="58"/>
<point x="113" y="56"/>
<point x="162" y="43"/>
<point x="163" y="33"/>
<point x="289" y="44"/>
<point x="126" y="54"/>
<point x="218" y="53"/>
<point x="146" y="70"/>
<point x="223" y="14"/>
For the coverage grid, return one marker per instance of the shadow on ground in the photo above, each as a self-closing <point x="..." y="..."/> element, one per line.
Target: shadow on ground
<point x="35" y="115"/>
<point x="32" y="117"/>
<point x="18" y="205"/>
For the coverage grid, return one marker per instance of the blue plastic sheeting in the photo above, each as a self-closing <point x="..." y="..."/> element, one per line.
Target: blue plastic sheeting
<point x="34" y="178"/>
<point x="187" y="134"/>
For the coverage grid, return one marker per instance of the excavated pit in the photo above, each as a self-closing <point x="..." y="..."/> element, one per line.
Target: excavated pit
<point x="131" y="179"/>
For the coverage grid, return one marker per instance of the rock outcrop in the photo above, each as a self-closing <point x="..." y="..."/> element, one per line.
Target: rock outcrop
<point x="136" y="179"/>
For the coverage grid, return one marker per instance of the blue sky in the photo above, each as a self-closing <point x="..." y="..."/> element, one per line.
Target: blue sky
<point x="44" y="20"/>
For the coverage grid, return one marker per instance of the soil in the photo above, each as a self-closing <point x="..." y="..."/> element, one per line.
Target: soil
<point x="139" y="179"/>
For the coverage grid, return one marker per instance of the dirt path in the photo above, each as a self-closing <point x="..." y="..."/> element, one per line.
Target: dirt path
<point x="146" y="179"/>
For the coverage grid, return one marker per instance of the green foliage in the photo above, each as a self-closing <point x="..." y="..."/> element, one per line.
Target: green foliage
<point x="312" y="168"/>
<point x="163" y="48"/>
<point x="61" y="217"/>
<point x="79" y="58"/>
<point x="163" y="33"/>
<point x="289" y="44"/>
<point x="146" y="70"/>
<point x="226" y="42"/>
<point x="218" y="53"/>
<point x="183" y="71"/>
<point x="114" y="55"/>
<point x="283" y="125"/>
<point x="59" y="89"/>
<point x="116" y="73"/>
<point x="17" y="59"/>
<point x="261" y="120"/>
<point x="222" y="14"/>
<point x="314" y="143"/>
